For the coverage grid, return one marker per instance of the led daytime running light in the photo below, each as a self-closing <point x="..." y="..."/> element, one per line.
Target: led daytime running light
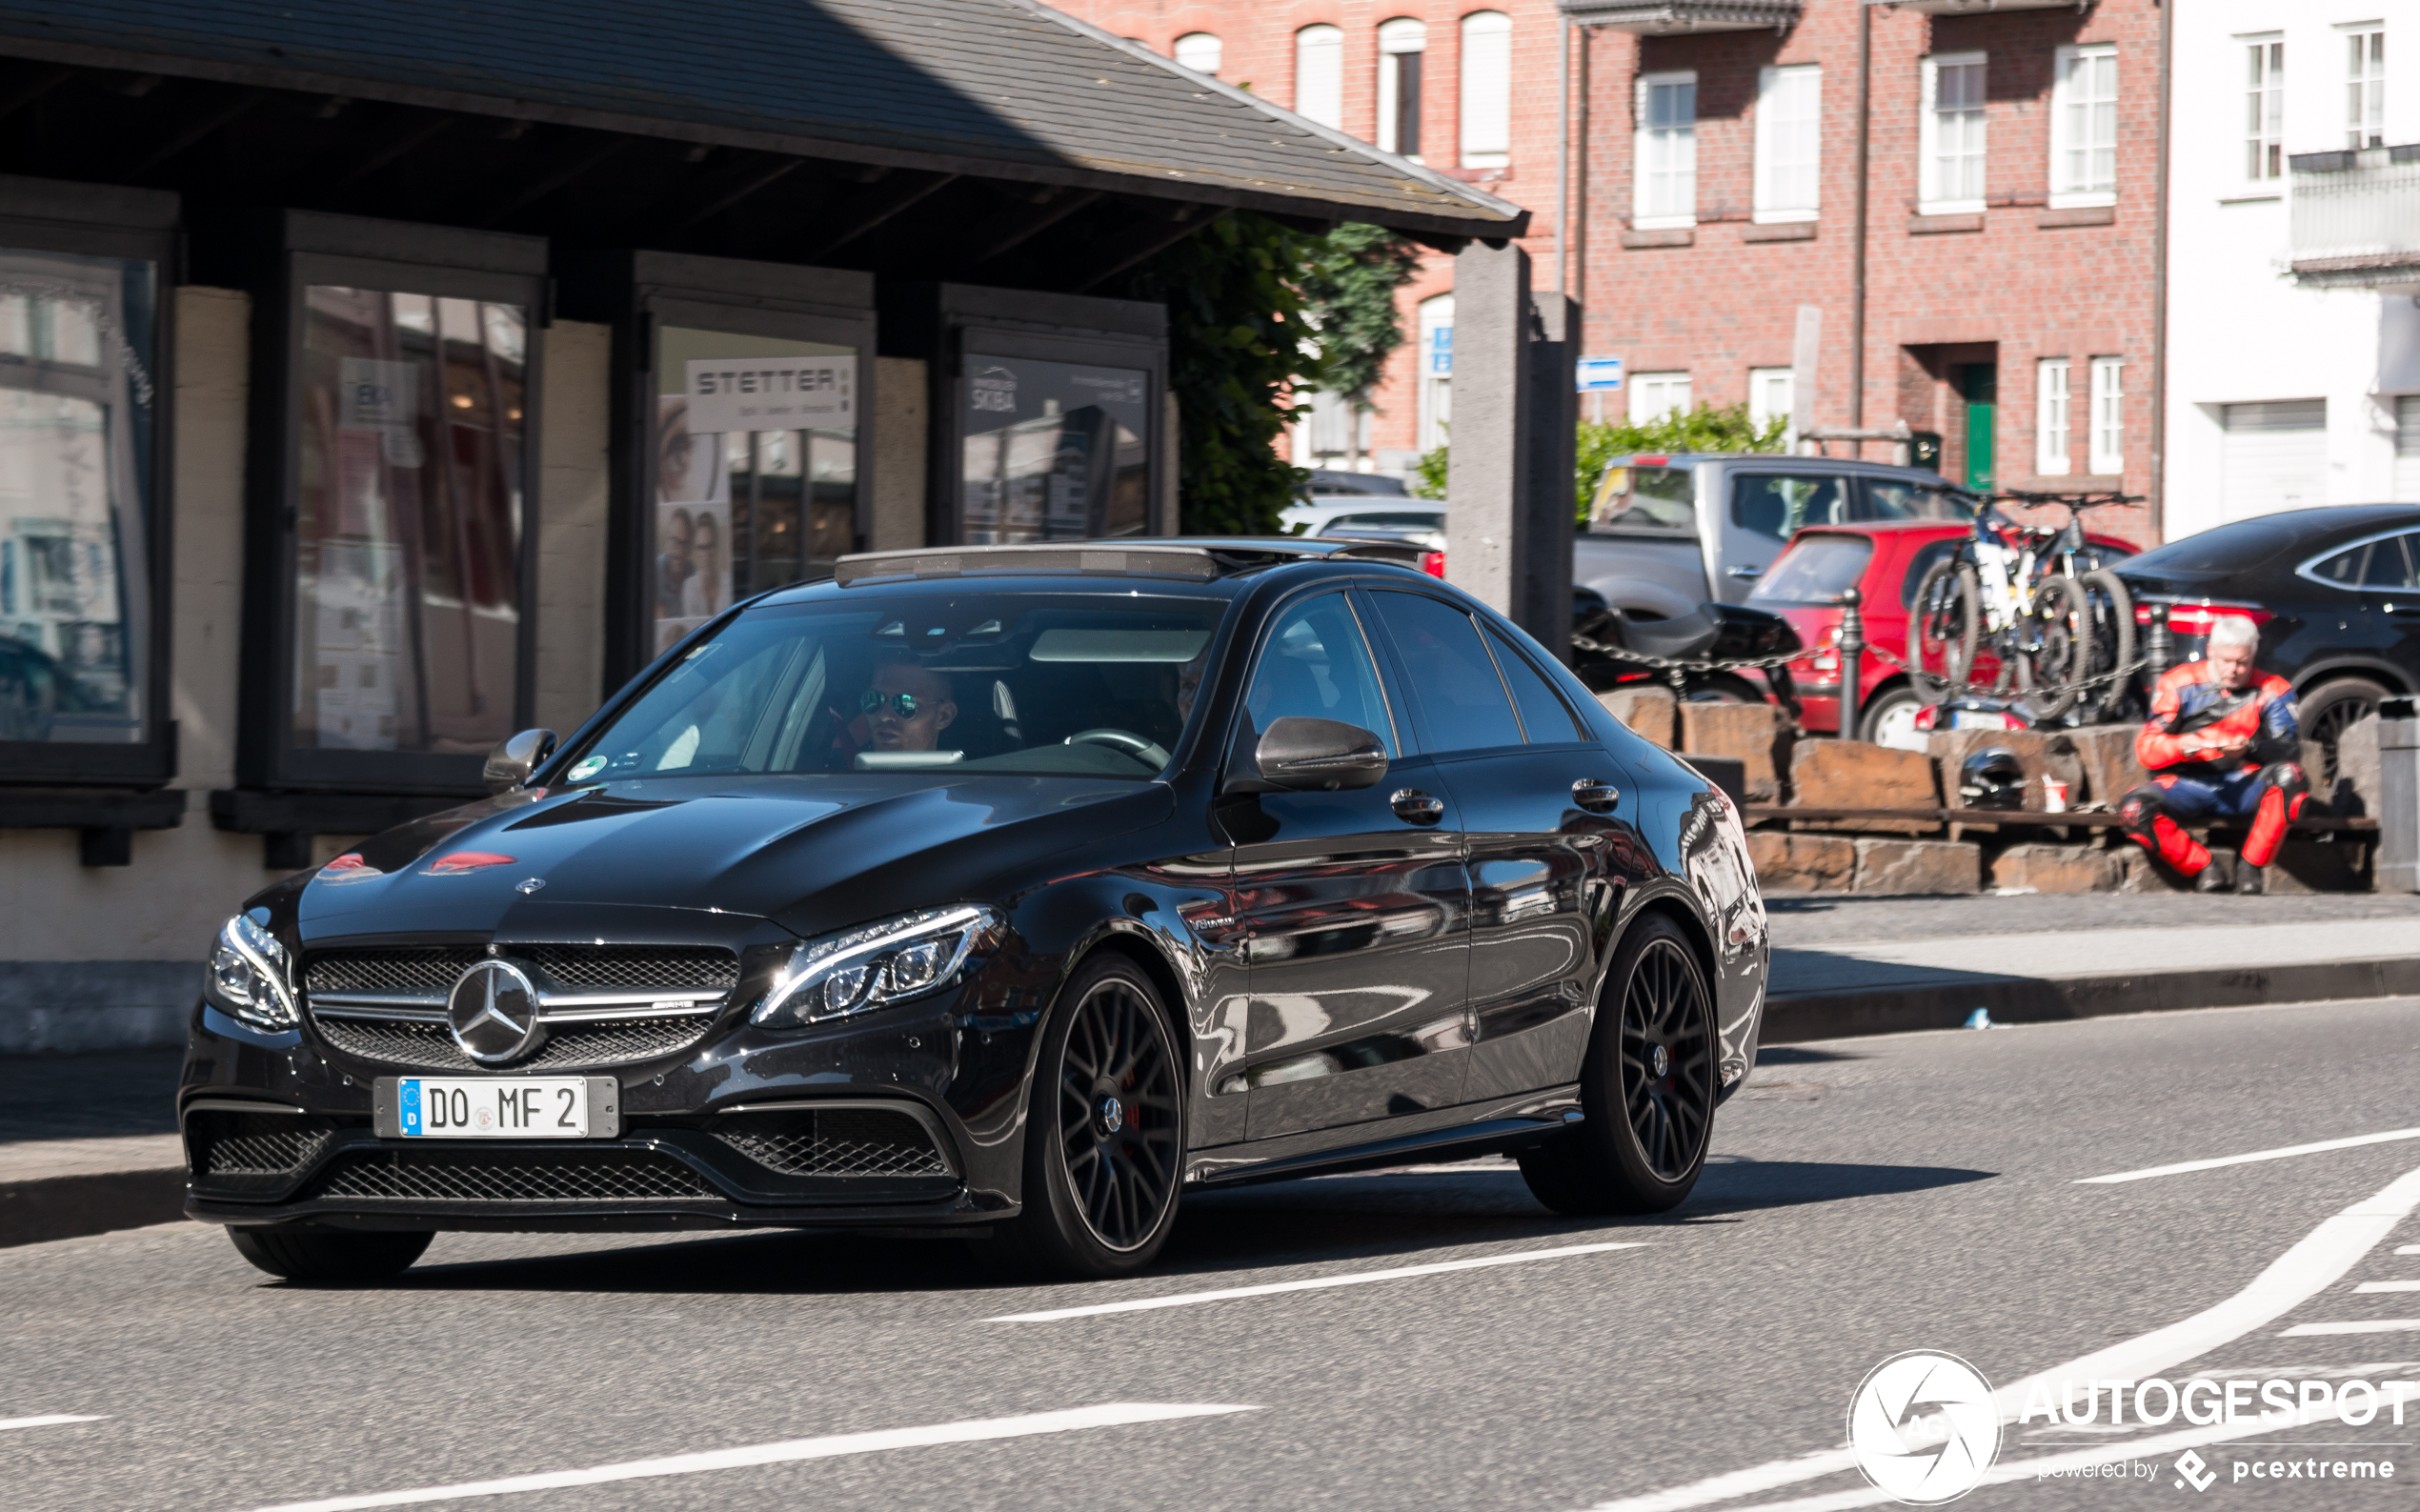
<point x="260" y="951"/>
<point x="867" y="967"/>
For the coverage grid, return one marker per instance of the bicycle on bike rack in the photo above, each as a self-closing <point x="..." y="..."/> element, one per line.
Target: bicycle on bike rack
<point x="2041" y="600"/>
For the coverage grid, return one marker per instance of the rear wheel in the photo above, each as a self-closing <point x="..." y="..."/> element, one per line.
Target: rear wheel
<point x="330" y="1256"/>
<point x="1646" y="1087"/>
<point x="2062" y="652"/>
<point x="1947" y="623"/>
<point x="1105" y="1138"/>
<point x="1890" y="719"/>
<point x="2331" y="709"/>
<point x="2112" y="642"/>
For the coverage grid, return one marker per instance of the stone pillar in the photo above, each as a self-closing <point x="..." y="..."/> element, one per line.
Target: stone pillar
<point x="1508" y="490"/>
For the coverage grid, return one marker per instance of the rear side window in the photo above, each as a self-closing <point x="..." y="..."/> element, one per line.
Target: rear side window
<point x="1888" y="499"/>
<point x="1545" y="718"/>
<point x="1775" y="504"/>
<point x="2372" y="564"/>
<point x="1656" y="498"/>
<point x="1816" y="569"/>
<point x="1454" y="681"/>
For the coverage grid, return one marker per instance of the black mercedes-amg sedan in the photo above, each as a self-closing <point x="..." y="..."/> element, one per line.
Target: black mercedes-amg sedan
<point x="1007" y="891"/>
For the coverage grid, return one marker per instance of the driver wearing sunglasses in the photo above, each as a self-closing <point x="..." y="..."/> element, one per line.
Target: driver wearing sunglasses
<point x="906" y="709"/>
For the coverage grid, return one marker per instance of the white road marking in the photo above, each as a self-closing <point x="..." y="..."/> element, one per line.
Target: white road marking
<point x="2388" y="1287"/>
<point x="2182" y="1166"/>
<point x="1108" y="1416"/>
<point x="2317" y="1261"/>
<point x="2375" y="1325"/>
<point x="1315" y="1284"/>
<point x="2407" y="1249"/>
<point x="45" y="1421"/>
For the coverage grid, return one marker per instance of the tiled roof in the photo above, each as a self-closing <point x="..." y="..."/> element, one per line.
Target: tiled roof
<point x="986" y="86"/>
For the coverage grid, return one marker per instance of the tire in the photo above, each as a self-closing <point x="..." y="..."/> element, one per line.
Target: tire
<point x="2063" y="617"/>
<point x="1720" y="687"/>
<point x="1890" y="719"/>
<point x="1102" y="1184"/>
<point x="1645" y="1138"/>
<point x="331" y="1256"/>
<point x="2325" y="711"/>
<point x="1947" y="611"/>
<point x="2113" y="641"/>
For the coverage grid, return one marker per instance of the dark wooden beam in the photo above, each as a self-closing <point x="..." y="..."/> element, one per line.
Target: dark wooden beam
<point x="728" y="191"/>
<point x="863" y="211"/>
<point x="1140" y="241"/>
<point x="202" y="125"/>
<point x="413" y="131"/>
<point x="29" y="90"/>
<point x="580" y="166"/>
<point x="1007" y="230"/>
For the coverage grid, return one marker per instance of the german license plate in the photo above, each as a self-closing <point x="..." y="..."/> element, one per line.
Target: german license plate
<point x="1972" y="719"/>
<point x="497" y="1107"/>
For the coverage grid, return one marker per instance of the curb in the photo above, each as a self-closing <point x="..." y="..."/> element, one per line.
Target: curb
<point x="73" y="1207"/>
<point x="1790" y="1018"/>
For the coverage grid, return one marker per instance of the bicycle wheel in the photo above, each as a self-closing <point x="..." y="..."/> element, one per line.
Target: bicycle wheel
<point x="2112" y="639"/>
<point x="1947" y="623"/>
<point x="2060" y="651"/>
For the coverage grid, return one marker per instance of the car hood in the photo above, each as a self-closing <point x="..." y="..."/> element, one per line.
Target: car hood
<point x="671" y="857"/>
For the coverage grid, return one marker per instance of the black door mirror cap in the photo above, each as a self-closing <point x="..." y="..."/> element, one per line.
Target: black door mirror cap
<point x="514" y="758"/>
<point x="1299" y="755"/>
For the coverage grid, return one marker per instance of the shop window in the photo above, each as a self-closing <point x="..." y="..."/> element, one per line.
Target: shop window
<point x="1053" y="451"/>
<point x="82" y="389"/>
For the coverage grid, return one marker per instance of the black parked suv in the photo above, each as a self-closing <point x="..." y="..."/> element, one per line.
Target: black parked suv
<point x="1008" y="888"/>
<point x="2335" y="591"/>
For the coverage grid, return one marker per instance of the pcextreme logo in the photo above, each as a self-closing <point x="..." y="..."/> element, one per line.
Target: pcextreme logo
<point x="1923" y="1427"/>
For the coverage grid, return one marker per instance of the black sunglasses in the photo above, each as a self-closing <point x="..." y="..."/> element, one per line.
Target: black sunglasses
<point x="901" y="703"/>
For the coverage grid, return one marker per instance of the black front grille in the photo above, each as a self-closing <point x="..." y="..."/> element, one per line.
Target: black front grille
<point x="521" y="1178"/>
<point x="577" y="968"/>
<point x="568" y="1047"/>
<point x="834" y="1142"/>
<point x="392" y="968"/>
<point x="252" y="1152"/>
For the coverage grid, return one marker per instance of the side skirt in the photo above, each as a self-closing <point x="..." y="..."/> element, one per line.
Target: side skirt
<point x="1495" y="1131"/>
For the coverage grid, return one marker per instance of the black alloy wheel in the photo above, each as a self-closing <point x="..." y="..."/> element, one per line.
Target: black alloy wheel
<point x="1106" y="1151"/>
<point x="1648" y="1088"/>
<point x="2329" y="710"/>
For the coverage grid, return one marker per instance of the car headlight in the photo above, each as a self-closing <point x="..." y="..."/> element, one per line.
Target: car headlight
<point x="867" y="967"/>
<point x="247" y="975"/>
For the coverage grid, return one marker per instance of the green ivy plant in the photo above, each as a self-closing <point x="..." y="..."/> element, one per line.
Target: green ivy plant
<point x="1348" y="280"/>
<point x="1706" y="428"/>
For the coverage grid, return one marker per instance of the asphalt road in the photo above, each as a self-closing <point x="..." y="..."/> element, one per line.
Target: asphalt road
<point x="1869" y="1197"/>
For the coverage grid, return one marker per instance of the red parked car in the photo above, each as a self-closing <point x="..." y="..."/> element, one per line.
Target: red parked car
<point x="1883" y="560"/>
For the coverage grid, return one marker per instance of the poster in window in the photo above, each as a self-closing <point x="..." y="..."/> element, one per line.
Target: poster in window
<point x="692" y="523"/>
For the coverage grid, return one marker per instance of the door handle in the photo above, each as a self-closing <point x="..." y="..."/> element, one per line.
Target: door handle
<point x="1414" y="807"/>
<point x="2401" y="610"/>
<point x="1747" y="572"/>
<point x="1595" y="795"/>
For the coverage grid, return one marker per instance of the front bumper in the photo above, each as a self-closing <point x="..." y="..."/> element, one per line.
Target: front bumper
<point x="907" y="1117"/>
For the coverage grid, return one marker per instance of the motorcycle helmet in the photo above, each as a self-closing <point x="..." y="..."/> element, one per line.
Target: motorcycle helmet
<point x="1992" y="779"/>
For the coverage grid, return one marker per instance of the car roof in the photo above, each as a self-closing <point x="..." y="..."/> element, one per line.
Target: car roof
<point x="1847" y="465"/>
<point x="1203" y="562"/>
<point x="2255" y="540"/>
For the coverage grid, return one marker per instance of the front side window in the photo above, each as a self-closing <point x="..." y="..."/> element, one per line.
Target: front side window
<point x="2265" y="111"/>
<point x="1402" y="44"/>
<point x="1038" y="684"/>
<point x="1656" y="498"/>
<point x="410" y="498"/>
<point x="1053" y="451"/>
<point x="1316" y="665"/>
<point x="1789" y="137"/>
<point x="1461" y="699"/>
<point x="2108" y="415"/>
<point x="1775" y="505"/>
<point x="1667" y="193"/>
<point x="78" y="405"/>
<point x="1486" y="89"/>
<point x="1951" y="135"/>
<point x="2365" y="87"/>
<point x="756" y="463"/>
<point x="2050" y="415"/>
<point x="2084" y="127"/>
<point x="1319" y="75"/>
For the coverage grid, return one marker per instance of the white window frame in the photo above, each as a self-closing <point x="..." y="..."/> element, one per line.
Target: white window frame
<point x="1930" y="200"/>
<point x="2051" y="416"/>
<point x="2264" y="108"/>
<point x="1789" y="143"/>
<point x="2084" y="125"/>
<point x="1319" y="74"/>
<point x="1673" y="144"/>
<point x="1196" y="48"/>
<point x="2365" y="84"/>
<point x="1653" y="395"/>
<point x="1486" y="102"/>
<point x="1771" y="394"/>
<point x="1397" y="39"/>
<point x="2107" y="432"/>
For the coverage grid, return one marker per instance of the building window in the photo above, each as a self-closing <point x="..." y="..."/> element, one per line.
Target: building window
<point x="2050" y="416"/>
<point x="2083" y="128"/>
<point x="1951" y="136"/>
<point x="1486" y="89"/>
<point x="81" y="397"/>
<point x="2365" y="87"/>
<point x="1319" y="75"/>
<point x="1654" y="395"/>
<point x="1769" y="397"/>
<point x="1202" y="53"/>
<point x="1667" y="193"/>
<point x="1402" y="44"/>
<point x="1436" y="371"/>
<point x="2108" y="415"/>
<point x="2265" y="111"/>
<point x="1789" y="137"/>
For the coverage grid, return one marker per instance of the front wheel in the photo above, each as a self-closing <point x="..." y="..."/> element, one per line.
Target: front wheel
<point x="1890" y="719"/>
<point x="331" y="1256"/>
<point x="1646" y="1087"/>
<point x="1945" y="624"/>
<point x="1104" y="1137"/>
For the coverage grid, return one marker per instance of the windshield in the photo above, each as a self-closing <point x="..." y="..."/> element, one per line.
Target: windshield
<point x="1045" y="684"/>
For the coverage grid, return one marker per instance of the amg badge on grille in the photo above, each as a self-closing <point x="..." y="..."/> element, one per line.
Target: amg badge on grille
<point x="493" y="1011"/>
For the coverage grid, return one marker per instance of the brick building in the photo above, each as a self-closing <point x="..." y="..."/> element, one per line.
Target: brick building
<point x="2010" y="238"/>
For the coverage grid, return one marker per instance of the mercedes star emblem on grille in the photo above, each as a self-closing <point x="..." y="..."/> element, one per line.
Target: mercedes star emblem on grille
<point x="493" y="1011"/>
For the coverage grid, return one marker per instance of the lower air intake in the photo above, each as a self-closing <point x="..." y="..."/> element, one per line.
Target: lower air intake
<point x="537" y="1178"/>
<point x="836" y="1141"/>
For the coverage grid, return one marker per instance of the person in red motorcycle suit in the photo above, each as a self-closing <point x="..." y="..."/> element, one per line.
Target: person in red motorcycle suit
<point x="2222" y="742"/>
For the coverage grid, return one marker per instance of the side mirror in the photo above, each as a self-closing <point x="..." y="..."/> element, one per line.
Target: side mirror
<point x="514" y="758"/>
<point x="1312" y="755"/>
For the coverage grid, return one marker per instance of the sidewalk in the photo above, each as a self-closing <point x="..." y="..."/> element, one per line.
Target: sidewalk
<point x="87" y="1142"/>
